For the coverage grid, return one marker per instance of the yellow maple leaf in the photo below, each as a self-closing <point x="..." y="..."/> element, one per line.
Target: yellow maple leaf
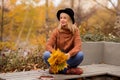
<point x="57" y="61"/>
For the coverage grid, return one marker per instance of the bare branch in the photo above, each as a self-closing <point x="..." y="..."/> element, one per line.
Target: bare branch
<point x="104" y="6"/>
<point x="113" y="5"/>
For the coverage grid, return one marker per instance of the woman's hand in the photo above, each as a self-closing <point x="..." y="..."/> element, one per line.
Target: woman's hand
<point x="68" y="55"/>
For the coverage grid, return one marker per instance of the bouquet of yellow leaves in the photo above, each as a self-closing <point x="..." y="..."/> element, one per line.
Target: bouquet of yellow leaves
<point x="57" y="61"/>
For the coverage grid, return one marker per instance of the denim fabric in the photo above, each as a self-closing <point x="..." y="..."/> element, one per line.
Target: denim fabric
<point x="72" y="62"/>
<point x="46" y="55"/>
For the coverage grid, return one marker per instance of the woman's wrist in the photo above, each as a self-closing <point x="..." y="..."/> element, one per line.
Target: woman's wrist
<point x="68" y="55"/>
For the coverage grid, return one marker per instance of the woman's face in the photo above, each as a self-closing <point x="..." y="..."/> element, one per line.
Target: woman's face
<point x="64" y="19"/>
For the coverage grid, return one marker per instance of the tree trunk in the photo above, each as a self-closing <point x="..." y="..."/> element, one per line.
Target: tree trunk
<point x="2" y="21"/>
<point x="29" y="31"/>
<point x="46" y="11"/>
<point x="46" y="20"/>
<point x="72" y="4"/>
<point x="22" y="28"/>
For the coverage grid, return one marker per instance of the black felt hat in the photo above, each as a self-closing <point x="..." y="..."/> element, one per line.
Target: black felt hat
<point x="68" y="11"/>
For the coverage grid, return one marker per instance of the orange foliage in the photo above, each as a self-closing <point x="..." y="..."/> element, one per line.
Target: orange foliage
<point x="39" y="40"/>
<point x="7" y="45"/>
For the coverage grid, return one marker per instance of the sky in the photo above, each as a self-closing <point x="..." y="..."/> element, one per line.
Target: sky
<point x="55" y="2"/>
<point x="42" y="2"/>
<point x="115" y="3"/>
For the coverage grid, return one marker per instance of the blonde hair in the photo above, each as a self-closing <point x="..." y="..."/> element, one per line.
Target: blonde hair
<point x="72" y="27"/>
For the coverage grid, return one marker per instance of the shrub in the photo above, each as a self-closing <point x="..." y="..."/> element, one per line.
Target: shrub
<point x="15" y="61"/>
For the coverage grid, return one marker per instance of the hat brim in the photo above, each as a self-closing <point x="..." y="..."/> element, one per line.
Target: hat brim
<point x="64" y="11"/>
<point x="59" y="12"/>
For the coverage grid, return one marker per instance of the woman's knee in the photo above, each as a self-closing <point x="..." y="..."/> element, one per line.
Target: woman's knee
<point x="46" y="55"/>
<point x="75" y="61"/>
<point x="81" y="55"/>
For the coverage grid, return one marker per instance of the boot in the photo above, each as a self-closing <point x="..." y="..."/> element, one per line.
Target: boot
<point x="75" y="71"/>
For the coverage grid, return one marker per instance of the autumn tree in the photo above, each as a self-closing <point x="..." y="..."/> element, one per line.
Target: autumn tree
<point x="114" y="10"/>
<point x="26" y="21"/>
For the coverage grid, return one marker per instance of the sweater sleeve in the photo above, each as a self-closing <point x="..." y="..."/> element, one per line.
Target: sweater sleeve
<point x="51" y="41"/>
<point x="77" y="44"/>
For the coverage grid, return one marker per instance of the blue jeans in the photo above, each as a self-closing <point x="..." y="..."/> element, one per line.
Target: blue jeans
<point x="72" y="62"/>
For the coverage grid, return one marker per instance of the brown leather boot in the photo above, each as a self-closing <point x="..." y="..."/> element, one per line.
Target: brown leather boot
<point x="75" y="71"/>
<point x="50" y="71"/>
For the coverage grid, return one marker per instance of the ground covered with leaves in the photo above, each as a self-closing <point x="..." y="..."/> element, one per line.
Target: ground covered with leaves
<point x="15" y="61"/>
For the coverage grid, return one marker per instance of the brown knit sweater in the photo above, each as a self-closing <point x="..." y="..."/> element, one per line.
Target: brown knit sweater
<point x="65" y="41"/>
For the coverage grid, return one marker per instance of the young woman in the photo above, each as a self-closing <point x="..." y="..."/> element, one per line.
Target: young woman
<point x="66" y="38"/>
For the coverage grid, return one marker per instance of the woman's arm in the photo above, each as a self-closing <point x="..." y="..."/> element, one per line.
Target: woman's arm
<point x="51" y="41"/>
<point x="77" y="44"/>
